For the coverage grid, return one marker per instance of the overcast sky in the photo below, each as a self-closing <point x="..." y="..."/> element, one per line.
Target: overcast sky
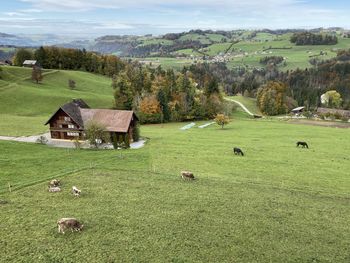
<point x="100" y="17"/>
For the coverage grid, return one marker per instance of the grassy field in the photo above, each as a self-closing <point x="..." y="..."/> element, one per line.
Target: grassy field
<point x="278" y="203"/>
<point x="25" y="106"/>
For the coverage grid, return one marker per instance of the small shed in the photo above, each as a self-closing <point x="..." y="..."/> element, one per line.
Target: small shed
<point x="298" y="110"/>
<point x="30" y="63"/>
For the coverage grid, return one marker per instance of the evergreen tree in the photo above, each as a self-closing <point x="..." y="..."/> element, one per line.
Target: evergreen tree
<point x="123" y="96"/>
<point x="163" y="101"/>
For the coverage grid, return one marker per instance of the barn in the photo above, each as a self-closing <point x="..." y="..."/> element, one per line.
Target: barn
<point x="71" y="119"/>
<point x="30" y="63"/>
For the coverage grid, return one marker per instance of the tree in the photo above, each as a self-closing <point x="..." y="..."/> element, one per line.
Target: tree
<point x="21" y="55"/>
<point x="40" y="56"/>
<point x="272" y="98"/>
<point x="332" y="99"/>
<point x="222" y="120"/>
<point x="95" y="134"/>
<point x="123" y="95"/>
<point x="37" y="74"/>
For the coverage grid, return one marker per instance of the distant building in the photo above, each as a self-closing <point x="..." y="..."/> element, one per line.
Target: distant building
<point x="343" y="113"/>
<point x="70" y="120"/>
<point x="298" y="110"/>
<point x="30" y="63"/>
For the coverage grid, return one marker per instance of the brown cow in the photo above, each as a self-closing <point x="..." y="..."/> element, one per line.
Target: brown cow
<point x="54" y="183"/>
<point x="69" y="223"/>
<point x="187" y="175"/>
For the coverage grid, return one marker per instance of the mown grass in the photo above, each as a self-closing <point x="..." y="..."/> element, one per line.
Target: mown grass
<point x="278" y="203"/>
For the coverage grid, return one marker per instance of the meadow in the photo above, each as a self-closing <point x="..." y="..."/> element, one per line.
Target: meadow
<point x="278" y="203"/>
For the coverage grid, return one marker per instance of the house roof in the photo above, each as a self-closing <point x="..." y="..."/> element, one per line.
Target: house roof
<point x="29" y="62"/>
<point x="81" y="114"/>
<point x="345" y="113"/>
<point x="113" y="120"/>
<point x="298" y="108"/>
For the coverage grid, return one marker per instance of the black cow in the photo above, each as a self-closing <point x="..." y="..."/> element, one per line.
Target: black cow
<point x="303" y="144"/>
<point x="238" y="151"/>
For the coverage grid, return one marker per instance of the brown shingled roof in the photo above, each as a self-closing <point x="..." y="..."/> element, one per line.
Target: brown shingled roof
<point x="113" y="120"/>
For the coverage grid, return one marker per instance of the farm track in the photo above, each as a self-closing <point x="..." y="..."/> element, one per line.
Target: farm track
<point x="241" y="105"/>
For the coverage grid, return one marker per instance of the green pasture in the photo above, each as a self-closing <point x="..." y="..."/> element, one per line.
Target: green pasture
<point x="278" y="203"/>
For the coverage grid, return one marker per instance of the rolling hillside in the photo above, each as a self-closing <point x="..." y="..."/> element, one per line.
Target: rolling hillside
<point x="25" y="106"/>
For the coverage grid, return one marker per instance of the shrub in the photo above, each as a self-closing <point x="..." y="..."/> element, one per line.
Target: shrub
<point x="71" y="84"/>
<point x="136" y="133"/>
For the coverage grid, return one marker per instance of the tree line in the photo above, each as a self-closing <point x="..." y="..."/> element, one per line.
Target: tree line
<point x="308" y="38"/>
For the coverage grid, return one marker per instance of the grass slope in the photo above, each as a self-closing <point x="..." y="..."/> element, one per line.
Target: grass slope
<point x="249" y="103"/>
<point x="25" y="106"/>
<point x="276" y="204"/>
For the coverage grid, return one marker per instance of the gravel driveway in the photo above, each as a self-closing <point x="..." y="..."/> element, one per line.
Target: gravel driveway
<point x="63" y="143"/>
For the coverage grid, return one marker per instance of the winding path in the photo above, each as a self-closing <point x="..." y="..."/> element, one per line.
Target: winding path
<point x="241" y="105"/>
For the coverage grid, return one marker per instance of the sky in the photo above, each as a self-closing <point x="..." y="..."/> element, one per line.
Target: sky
<point x="101" y="17"/>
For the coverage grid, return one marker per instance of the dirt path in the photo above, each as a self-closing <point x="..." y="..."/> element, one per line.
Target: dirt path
<point x="241" y="105"/>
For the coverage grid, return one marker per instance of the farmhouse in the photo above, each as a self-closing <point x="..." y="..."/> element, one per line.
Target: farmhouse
<point x="71" y="119"/>
<point x="29" y="63"/>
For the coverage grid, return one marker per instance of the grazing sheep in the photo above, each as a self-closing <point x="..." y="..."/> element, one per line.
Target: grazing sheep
<point x="187" y="175"/>
<point x="54" y="189"/>
<point x="69" y="223"/>
<point x="238" y="151"/>
<point x="54" y="183"/>
<point x="76" y="191"/>
<point x="303" y="144"/>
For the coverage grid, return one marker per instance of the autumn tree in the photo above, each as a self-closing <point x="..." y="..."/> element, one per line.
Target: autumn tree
<point x="332" y="99"/>
<point x="150" y="110"/>
<point x="222" y="120"/>
<point x="272" y="98"/>
<point x="37" y="74"/>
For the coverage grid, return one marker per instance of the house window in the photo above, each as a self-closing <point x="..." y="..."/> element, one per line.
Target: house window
<point x="71" y="126"/>
<point x="66" y="118"/>
<point x="73" y="134"/>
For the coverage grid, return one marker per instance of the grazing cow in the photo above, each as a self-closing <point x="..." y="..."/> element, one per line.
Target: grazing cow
<point x="76" y="191"/>
<point x="54" y="183"/>
<point x="238" y="151"/>
<point x="54" y="189"/>
<point x="187" y="175"/>
<point x="69" y="223"/>
<point x="303" y="144"/>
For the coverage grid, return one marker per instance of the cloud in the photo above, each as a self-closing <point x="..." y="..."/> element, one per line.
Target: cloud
<point x="84" y="5"/>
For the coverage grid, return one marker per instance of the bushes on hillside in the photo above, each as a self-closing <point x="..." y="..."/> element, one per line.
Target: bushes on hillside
<point x="275" y="60"/>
